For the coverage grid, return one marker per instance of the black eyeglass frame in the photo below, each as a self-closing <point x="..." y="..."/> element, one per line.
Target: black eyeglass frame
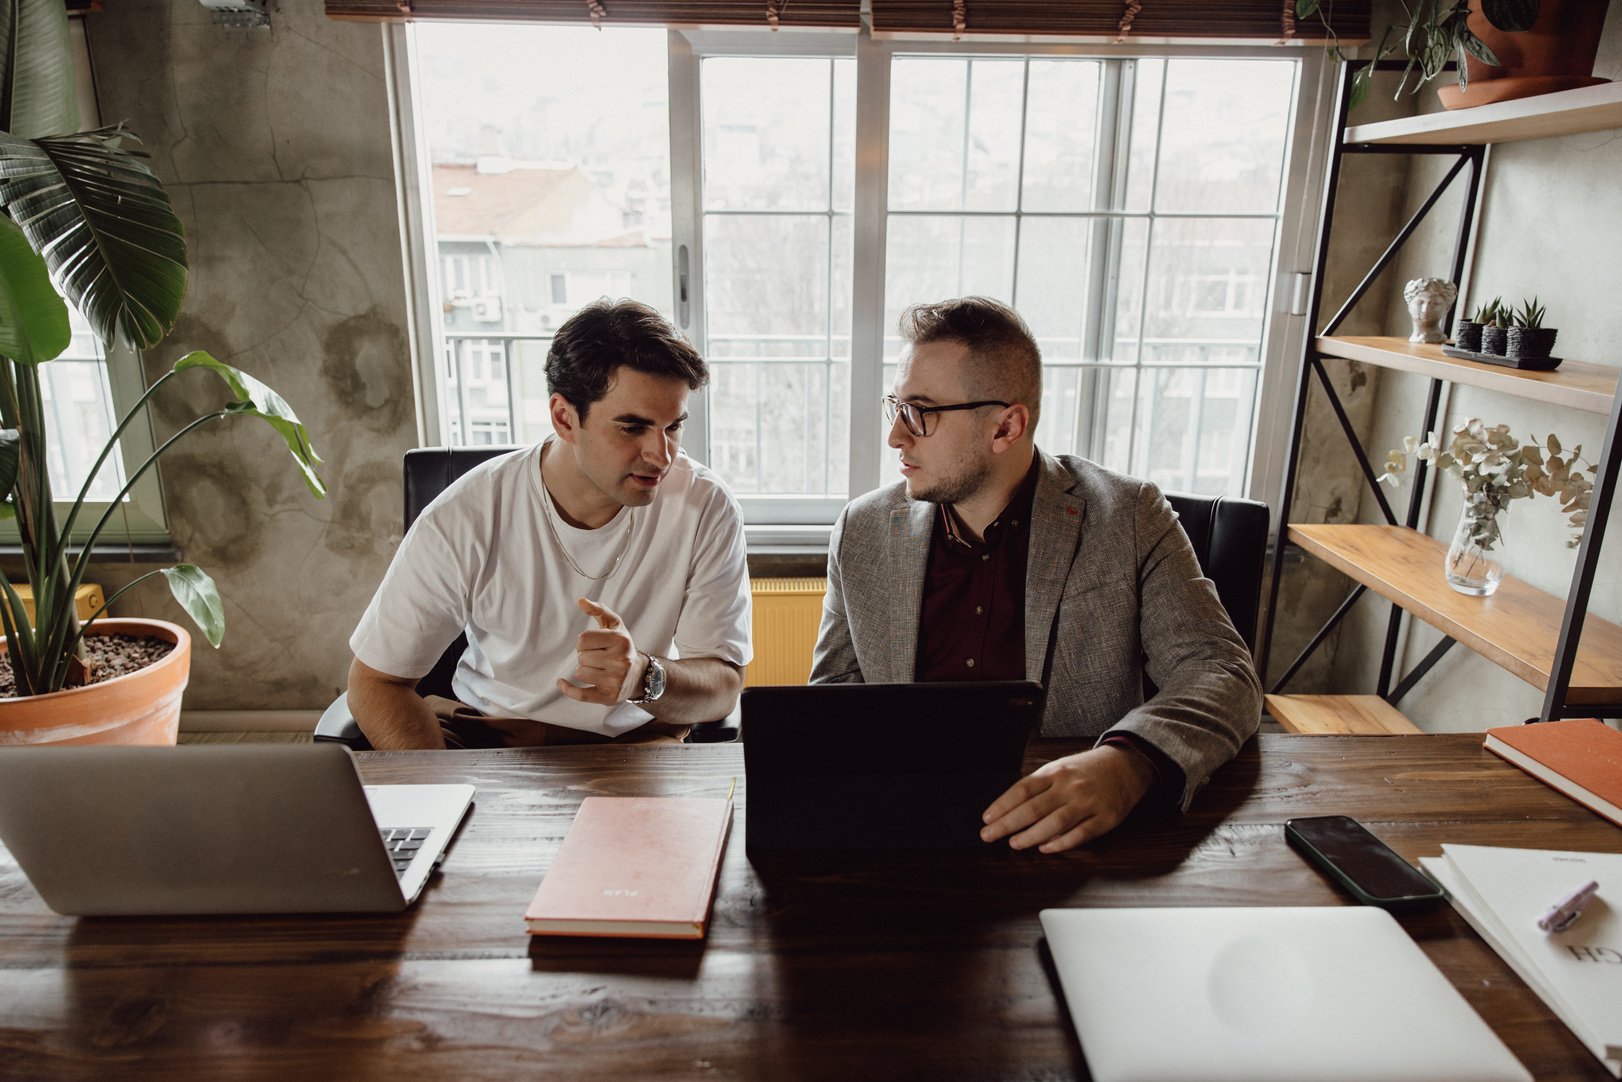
<point x="894" y="406"/>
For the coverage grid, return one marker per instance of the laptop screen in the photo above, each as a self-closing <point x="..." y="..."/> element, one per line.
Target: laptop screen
<point x="823" y="763"/>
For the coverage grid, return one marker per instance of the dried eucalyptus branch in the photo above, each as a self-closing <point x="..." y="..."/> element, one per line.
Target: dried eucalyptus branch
<point x="1496" y="468"/>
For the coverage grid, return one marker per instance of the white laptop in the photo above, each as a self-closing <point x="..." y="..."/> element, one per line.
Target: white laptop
<point x="1265" y="995"/>
<point x="223" y="828"/>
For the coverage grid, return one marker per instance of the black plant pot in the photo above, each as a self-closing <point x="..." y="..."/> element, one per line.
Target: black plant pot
<point x="1494" y="339"/>
<point x="1467" y="336"/>
<point x="1531" y="343"/>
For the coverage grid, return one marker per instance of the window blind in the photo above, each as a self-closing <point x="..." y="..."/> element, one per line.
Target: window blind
<point x="1266" y="21"/>
<point x="787" y="14"/>
<point x="1261" y="21"/>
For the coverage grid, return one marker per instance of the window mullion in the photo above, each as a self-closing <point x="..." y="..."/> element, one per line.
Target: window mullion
<point x="870" y="204"/>
<point x="686" y="223"/>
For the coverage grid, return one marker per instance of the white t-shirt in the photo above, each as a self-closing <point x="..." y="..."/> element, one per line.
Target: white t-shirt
<point x="483" y="558"/>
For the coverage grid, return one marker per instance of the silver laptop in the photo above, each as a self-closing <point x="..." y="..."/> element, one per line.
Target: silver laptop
<point x="1265" y="995"/>
<point x="228" y="828"/>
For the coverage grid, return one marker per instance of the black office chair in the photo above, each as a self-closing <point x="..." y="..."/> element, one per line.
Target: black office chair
<point x="1229" y="535"/>
<point x="428" y="472"/>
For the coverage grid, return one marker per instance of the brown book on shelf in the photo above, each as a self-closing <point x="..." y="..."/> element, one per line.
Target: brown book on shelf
<point x="1581" y="757"/>
<point x="642" y="867"/>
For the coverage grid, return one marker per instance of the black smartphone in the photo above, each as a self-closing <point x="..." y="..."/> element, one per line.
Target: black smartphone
<point x="1361" y="863"/>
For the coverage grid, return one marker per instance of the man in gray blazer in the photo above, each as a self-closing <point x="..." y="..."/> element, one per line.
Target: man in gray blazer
<point x="993" y="560"/>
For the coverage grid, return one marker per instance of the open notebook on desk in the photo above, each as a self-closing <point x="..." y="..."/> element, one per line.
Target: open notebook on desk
<point x="1578" y="972"/>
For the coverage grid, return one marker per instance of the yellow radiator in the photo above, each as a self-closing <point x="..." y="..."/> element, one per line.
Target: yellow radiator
<point x="86" y="599"/>
<point x="787" y="612"/>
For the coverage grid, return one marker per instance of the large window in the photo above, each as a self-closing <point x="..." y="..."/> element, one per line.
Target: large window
<point x="1129" y="206"/>
<point x="84" y="392"/>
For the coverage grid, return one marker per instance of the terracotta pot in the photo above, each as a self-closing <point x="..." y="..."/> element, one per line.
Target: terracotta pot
<point x="141" y="707"/>
<point x="1556" y="54"/>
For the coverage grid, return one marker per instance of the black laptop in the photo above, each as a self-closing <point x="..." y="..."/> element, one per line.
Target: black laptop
<point x="880" y="766"/>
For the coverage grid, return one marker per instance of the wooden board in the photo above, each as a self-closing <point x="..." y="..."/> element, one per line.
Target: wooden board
<point x="1360" y="715"/>
<point x="1575" y="384"/>
<point x="1516" y="628"/>
<point x="1588" y="108"/>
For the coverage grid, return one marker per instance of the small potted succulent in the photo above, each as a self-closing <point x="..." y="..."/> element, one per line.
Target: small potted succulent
<point x="1467" y="334"/>
<point x="1529" y="339"/>
<point x="1495" y="330"/>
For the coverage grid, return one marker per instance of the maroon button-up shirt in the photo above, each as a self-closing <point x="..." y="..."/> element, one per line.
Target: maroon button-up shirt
<point x="972" y="622"/>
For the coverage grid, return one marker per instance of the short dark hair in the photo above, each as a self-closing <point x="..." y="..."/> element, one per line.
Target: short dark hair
<point x="606" y="334"/>
<point x="1006" y="363"/>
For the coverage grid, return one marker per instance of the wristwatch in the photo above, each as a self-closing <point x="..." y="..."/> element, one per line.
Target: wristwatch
<point x="653" y="683"/>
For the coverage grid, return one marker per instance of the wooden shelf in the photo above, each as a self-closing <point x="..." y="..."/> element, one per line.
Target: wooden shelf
<point x="1569" y="112"/>
<point x="1516" y="628"/>
<point x="1574" y="385"/>
<point x="1339" y="715"/>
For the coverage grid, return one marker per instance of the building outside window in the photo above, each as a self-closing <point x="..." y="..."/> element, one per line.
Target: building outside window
<point x="1128" y="206"/>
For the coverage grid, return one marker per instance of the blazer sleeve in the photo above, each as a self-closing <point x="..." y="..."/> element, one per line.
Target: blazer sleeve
<point x="834" y="659"/>
<point x="1210" y="698"/>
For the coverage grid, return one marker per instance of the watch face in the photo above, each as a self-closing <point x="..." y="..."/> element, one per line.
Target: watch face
<point x="655" y="684"/>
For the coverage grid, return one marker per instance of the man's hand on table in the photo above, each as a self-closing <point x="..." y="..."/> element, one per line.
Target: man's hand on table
<point x="1069" y="801"/>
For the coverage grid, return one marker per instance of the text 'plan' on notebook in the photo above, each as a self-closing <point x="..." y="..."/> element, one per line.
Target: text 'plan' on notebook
<point x="1305" y="994"/>
<point x="880" y="766"/>
<point x="229" y="828"/>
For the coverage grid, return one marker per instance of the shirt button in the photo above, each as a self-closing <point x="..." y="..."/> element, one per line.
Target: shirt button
<point x="986" y="557"/>
<point x="979" y="610"/>
<point x="971" y="663"/>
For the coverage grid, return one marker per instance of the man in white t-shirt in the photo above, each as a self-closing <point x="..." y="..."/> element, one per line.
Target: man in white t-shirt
<point x="599" y="576"/>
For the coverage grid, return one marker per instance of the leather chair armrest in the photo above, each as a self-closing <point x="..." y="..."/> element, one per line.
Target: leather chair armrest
<point x="338" y="726"/>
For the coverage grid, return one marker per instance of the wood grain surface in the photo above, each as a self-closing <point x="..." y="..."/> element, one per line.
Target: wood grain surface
<point x="846" y="966"/>
<point x="1516" y="628"/>
<point x="1579" y="385"/>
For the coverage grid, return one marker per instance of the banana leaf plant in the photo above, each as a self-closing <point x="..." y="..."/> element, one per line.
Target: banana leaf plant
<point x="85" y="218"/>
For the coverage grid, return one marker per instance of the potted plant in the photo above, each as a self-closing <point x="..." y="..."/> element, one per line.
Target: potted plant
<point x="84" y="209"/>
<point x="1467" y="334"/>
<point x="1530" y="342"/>
<point x="1496" y="469"/>
<point x="1495" y="331"/>
<point x="1554" y="50"/>
<point x="1434" y="34"/>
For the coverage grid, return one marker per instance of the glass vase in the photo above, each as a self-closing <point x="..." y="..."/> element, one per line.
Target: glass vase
<point x="1473" y="560"/>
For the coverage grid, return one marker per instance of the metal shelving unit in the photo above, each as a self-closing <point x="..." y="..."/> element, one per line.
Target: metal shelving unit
<point x="1514" y="627"/>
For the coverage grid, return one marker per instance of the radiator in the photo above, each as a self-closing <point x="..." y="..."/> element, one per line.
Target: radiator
<point x="786" y="615"/>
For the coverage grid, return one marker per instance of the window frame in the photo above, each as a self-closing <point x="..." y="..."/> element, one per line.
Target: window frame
<point x="141" y="520"/>
<point x="806" y="521"/>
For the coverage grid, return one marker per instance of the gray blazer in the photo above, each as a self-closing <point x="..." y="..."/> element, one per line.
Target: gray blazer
<point x="1112" y="591"/>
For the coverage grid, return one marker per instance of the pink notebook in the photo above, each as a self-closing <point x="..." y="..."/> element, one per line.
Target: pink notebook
<point x="641" y="867"/>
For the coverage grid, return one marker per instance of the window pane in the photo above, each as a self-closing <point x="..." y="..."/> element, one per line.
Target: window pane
<point x="954" y="133"/>
<point x="767" y="133"/>
<point x="1146" y="80"/>
<point x="1207" y="290"/>
<point x="1222" y="147"/>
<point x="79" y="410"/>
<point x="778" y="133"/>
<point x="1193" y="428"/>
<point x="1053" y="272"/>
<point x="1061" y="135"/>
<point x="541" y="205"/>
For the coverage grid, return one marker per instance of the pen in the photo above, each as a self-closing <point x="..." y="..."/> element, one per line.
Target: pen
<point x="1564" y="913"/>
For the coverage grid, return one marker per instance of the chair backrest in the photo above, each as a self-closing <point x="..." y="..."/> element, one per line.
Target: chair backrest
<point x="428" y="472"/>
<point x="1229" y="535"/>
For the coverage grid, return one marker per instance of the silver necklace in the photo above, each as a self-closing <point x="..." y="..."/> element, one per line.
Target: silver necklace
<point x="557" y="537"/>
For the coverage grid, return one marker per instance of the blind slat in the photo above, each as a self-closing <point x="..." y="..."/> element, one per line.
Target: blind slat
<point x="820" y="14"/>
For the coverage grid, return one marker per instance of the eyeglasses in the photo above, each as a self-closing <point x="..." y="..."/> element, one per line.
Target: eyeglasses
<point x="916" y="418"/>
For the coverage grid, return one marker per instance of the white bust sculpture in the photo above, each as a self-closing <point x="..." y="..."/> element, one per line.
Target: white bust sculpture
<point x="1428" y="301"/>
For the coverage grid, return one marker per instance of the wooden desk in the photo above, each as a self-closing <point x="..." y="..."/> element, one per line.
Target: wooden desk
<point x="906" y="964"/>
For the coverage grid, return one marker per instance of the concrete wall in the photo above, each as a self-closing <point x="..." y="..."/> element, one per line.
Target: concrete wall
<point x="1551" y="211"/>
<point x="274" y="145"/>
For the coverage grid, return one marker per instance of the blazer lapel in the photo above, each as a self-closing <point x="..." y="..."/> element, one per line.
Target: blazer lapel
<point x="1056" y="517"/>
<point x="907" y="549"/>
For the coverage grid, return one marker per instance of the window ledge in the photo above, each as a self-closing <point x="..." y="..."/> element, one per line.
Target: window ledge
<point x="147" y="552"/>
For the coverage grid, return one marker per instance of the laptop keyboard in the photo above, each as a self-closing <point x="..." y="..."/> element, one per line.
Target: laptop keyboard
<point x="402" y="844"/>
